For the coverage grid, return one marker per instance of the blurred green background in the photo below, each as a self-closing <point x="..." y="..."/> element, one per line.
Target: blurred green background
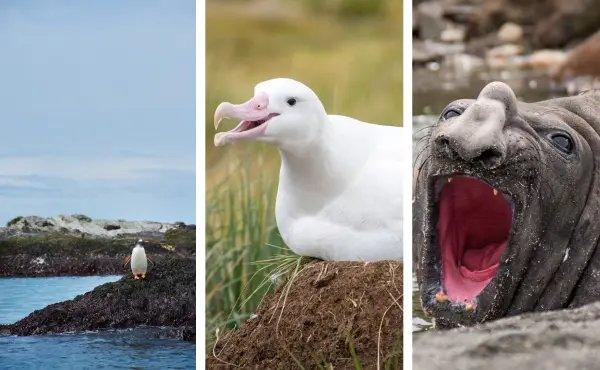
<point x="349" y="52"/>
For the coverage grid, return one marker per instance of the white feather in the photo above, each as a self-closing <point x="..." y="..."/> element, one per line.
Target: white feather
<point x="345" y="201"/>
<point x="139" y="264"/>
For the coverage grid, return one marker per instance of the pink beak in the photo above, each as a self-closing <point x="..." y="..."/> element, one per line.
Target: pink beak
<point x="251" y="111"/>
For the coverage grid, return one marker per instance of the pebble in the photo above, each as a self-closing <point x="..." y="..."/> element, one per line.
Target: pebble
<point x="430" y="21"/>
<point x="453" y="35"/>
<point x="510" y="33"/>
<point x="545" y="60"/>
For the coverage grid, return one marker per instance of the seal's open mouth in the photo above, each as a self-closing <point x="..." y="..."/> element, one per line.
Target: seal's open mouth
<point x="474" y="223"/>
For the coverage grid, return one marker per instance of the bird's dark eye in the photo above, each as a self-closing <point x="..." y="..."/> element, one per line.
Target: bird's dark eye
<point x="563" y="142"/>
<point x="451" y="113"/>
<point x="291" y="102"/>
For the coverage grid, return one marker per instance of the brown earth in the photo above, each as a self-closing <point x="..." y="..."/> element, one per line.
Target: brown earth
<point x="331" y="308"/>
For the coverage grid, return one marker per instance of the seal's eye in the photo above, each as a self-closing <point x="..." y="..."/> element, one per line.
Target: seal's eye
<point x="563" y="142"/>
<point x="291" y="102"/>
<point x="451" y="113"/>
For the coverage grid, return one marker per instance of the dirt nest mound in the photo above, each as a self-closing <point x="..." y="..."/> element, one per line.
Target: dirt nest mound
<point x="332" y="310"/>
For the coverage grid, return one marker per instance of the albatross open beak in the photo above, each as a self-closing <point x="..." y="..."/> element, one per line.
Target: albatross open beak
<point x="253" y="113"/>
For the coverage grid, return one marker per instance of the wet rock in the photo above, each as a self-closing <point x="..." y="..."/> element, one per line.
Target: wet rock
<point x="167" y="297"/>
<point x="552" y="23"/>
<point x="186" y="333"/>
<point x="510" y="33"/>
<point x="505" y="56"/>
<point x="430" y="21"/>
<point x="547" y="60"/>
<point x="459" y="13"/>
<point x="453" y="35"/>
<point x="465" y="64"/>
<point x="565" y="339"/>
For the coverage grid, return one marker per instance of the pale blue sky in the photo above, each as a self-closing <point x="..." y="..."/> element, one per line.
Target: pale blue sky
<point x="97" y="109"/>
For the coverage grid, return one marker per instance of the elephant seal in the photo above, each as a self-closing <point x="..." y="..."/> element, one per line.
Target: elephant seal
<point x="506" y="215"/>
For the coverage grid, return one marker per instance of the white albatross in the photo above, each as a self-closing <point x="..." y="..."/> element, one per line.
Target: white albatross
<point x="340" y="183"/>
<point x="139" y="260"/>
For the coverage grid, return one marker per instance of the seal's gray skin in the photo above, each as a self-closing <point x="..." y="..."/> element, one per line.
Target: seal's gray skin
<point x="551" y="259"/>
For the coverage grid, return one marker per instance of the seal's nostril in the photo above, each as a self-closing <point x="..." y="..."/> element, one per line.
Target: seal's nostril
<point x="489" y="158"/>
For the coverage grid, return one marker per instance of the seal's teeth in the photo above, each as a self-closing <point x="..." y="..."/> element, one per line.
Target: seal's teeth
<point x="441" y="297"/>
<point x="469" y="307"/>
<point x="495" y="192"/>
<point x="449" y="179"/>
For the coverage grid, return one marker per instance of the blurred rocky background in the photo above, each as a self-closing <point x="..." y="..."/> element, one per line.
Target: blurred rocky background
<point x="542" y="48"/>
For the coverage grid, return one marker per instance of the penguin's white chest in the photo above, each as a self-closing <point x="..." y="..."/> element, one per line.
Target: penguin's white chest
<point x="139" y="264"/>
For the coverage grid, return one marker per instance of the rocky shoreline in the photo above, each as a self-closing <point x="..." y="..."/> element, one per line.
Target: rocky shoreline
<point x="167" y="297"/>
<point x="36" y="249"/>
<point x="41" y="247"/>
<point x="490" y="39"/>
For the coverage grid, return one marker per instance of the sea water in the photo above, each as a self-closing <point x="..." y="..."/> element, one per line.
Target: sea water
<point x="109" y="349"/>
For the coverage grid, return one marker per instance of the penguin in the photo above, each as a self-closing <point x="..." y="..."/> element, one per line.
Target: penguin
<point x="139" y="261"/>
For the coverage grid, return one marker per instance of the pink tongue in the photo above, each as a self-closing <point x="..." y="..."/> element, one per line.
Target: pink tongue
<point x="467" y="281"/>
<point x="483" y="258"/>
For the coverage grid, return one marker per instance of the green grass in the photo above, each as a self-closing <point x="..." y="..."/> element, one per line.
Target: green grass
<point x="14" y="221"/>
<point x="82" y="218"/>
<point x="240" y="230"/>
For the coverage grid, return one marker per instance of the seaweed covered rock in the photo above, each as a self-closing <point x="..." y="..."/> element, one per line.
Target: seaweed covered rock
<point x="167" y="297"/>
<point x="564" y="339"/>
<point x="68" y="255"/>
<point x="335" y="313"/>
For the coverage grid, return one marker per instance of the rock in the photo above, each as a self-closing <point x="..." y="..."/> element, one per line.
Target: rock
<point x="430" y="20"/>
<point x="330" y="305"/>
<point x="547" y="60"/>
<point x="167" y="297"/>
<point x="186" y="333"/>
<point x="553" y="23"/>
<point x="505" y="51"/>
<point x="81" y="224"/>
<point x="459" y="13"/>
<point x="506" y="57"/>
<point x="69" y="255"/>
<point x="481" y="45"/>
<point x="510" y="33"/>
<point x="431" y="51"/>
<point x="465" y="64"/>
<point x="453" y="35"/>
<point x="565" y="339"/>
<point x="422" y="56"/>
<point x="583" y="61"/>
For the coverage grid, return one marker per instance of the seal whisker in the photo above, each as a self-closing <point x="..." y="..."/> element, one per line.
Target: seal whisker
<point x="430" y="127"/>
